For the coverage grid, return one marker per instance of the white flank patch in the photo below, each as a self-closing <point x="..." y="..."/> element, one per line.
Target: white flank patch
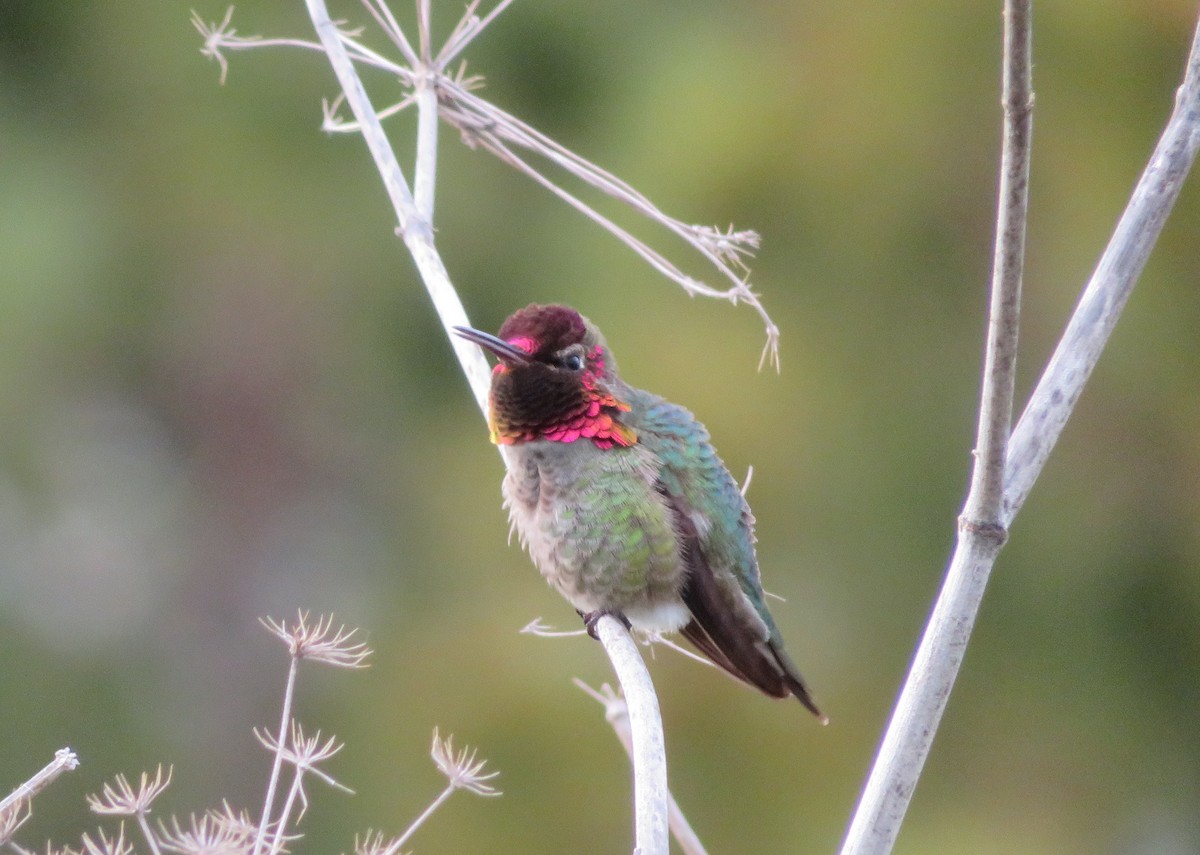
<point x="662" y="617"/>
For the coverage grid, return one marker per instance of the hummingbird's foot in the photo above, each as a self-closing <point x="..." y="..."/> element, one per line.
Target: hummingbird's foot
<point x="590" y="619"/>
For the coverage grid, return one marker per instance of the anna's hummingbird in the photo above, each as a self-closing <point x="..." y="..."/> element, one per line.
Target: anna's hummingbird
<point x="622" y="502"/>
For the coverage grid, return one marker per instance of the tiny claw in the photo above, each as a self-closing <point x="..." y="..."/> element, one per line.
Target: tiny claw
<point x="591" y="618"/>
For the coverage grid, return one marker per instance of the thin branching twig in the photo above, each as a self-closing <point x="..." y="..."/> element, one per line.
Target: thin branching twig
<point x="451" y="95"/>
<point x="544" y="630"/>
<point x="647" y="639"/>
<point x="616" y="712"/>
<point x="302" y="753"/>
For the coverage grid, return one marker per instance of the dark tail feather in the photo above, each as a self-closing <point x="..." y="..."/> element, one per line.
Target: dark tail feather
<point x="762" y="664"/>
<point x="774" y="674"/>
<point x="794" y="682"/>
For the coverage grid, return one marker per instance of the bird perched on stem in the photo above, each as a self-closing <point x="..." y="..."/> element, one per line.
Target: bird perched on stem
<point x="622" y="502"/>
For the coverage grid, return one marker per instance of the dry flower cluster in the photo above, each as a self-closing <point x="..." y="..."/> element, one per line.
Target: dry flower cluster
<point x="226" y="830"/>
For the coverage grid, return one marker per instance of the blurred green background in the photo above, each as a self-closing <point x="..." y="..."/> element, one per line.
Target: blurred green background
<point x="224" y="394"/>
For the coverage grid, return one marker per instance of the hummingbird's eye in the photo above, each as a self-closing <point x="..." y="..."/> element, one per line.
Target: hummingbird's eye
<point x="572" y="362"/>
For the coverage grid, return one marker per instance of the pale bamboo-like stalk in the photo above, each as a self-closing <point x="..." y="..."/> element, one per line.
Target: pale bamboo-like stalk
<point x="980" y="534"/>
<point x="1107" y="291"/>
<point x="416" y="229"/>
<point x="994" y="502"/>
<point x="651" y="827"/>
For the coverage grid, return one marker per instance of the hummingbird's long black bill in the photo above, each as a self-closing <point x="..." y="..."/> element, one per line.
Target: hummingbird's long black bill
<point x="498" y="346"/>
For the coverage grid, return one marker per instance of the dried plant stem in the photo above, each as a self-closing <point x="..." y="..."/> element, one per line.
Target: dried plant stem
<point x="64" y="761"/>
<point x="1003" y="476"/>
<point x="17" y="806"/>
<point x="416" y="229"/>
<point x="616" y="711"/>
<point x="981" y="514"/>
<point x="420" y="820"/>
<point x="285" y="720"/>
<point x="295" y="793"/>
<point x="148" y="834"/>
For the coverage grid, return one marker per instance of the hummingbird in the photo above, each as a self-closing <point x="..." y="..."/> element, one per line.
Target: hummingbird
<point x="622" y="502"/>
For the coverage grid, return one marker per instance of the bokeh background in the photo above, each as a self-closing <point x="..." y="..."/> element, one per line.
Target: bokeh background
<point x="224" y="394"/>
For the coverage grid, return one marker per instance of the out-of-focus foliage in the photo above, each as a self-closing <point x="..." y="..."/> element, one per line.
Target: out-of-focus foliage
<point x="223" y="394"/>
